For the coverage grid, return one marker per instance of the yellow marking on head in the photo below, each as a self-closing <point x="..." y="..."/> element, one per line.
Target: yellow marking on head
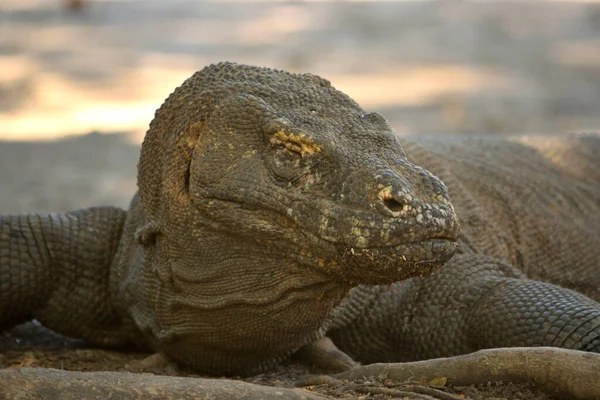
<point x="194" y="134"/>
<point x="296" y="142"/>
<point x="385" y="193"/>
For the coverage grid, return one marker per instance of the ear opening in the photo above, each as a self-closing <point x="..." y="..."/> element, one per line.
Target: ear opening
<point x="186" y="177"/>
<point x="146" y="234"/>
<point x="188" y="149"/>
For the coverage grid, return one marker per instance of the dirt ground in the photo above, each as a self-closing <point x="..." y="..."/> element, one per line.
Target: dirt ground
<point x="470" y="67"/>
<point x="31" y="345"/>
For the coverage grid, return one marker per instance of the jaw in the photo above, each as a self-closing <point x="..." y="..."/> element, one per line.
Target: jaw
<point x="377" y="266"/>
<point x="362" y="247"/>
<point x="386" y="265"/>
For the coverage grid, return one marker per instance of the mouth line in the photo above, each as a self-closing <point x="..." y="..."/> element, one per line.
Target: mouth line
<point x="378" y="265"/>
<point x="412" y="243"/>
<point x="406" y="252"/>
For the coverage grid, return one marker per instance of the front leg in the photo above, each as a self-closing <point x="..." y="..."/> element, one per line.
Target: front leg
<point x="55" y="268"/>
<point x="472" y="303"/>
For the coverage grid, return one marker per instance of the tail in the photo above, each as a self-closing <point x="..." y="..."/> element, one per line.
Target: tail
<point x="56" y="267"/>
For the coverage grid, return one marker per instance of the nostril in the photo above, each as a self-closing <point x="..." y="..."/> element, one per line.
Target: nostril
<point x="393" y="205"/>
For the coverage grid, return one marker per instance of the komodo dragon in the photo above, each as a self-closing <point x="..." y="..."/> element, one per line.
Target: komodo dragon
<point x="274" y="213"/>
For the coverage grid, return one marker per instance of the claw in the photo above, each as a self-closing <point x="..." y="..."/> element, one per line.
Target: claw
<point x="157" y="364"/>
<point x="325" y="356"/>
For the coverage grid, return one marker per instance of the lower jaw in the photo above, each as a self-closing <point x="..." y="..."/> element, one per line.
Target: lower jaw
<point x="391" y="264"/>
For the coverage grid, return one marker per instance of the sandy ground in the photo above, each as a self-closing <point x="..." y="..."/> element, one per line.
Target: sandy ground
<point x="449" y="66"/>
<point x="429" y="67"/>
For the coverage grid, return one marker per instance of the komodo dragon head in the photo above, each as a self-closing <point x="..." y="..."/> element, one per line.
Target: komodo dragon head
<point x="268" y="189"/>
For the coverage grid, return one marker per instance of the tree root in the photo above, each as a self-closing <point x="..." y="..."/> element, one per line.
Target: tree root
<point x="433" y="393"/>
<point x="414" y="392"/>
<point x="571" y="373"/>
<point x="46" y="383"/>
<point x="392" y="393"/>
<point x="406" y="390"/>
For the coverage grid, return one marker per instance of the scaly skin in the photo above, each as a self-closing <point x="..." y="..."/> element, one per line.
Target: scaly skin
<point x="264" y="197"/>
<point x="55" y="268"/>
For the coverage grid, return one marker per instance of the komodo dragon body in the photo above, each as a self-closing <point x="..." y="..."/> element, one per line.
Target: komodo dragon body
<point x="273" y="211"/>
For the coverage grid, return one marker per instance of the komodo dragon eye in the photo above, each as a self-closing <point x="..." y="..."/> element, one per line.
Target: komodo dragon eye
<point x="298" y="143"/>
<point x="293" y="153"/>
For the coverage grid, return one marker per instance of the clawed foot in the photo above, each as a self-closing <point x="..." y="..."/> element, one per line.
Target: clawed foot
<point x="157" y="364"/>
<point x="325" y="356"/>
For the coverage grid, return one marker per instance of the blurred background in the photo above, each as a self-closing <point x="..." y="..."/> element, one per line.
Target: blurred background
<point x="71" y="67"/>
